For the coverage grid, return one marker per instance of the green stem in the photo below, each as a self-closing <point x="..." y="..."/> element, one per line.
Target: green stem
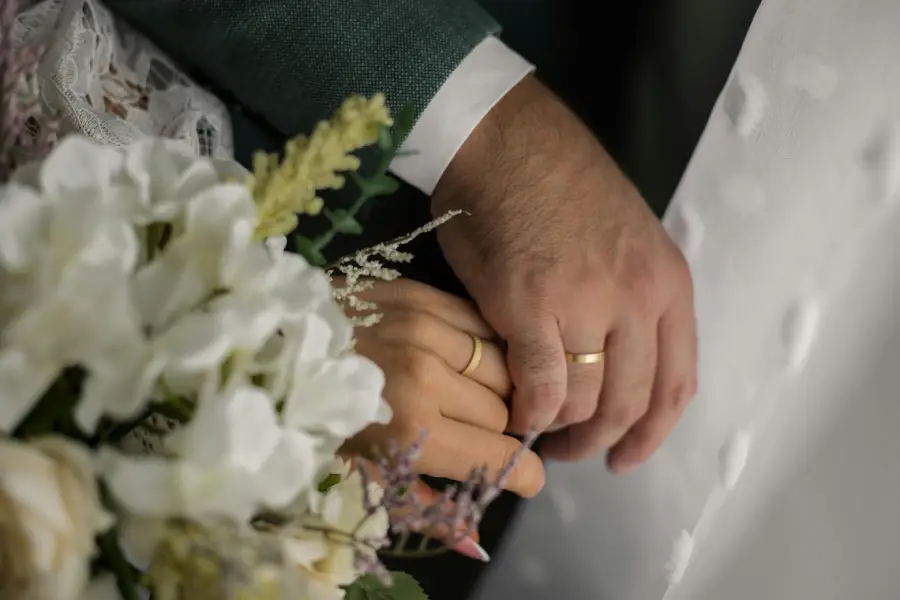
<point x="323" y="240"/>
<point x="121" y="568"/>
<point x="401" y="543"/>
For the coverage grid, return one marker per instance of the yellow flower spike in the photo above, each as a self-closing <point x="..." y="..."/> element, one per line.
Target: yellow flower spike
<point x="284" y="190"/>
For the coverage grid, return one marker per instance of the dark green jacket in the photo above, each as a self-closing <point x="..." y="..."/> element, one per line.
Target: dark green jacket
<point x="293" y="61"/>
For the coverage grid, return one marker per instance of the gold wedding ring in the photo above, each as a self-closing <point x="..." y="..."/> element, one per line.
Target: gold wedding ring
<point x="590" y="358"/>
<point x="477" y="351"/>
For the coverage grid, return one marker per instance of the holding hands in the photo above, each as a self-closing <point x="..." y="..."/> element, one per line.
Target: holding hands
<point x="424" y="342"/>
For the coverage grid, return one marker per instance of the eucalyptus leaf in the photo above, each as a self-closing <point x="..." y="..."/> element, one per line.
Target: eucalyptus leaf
<point x="385" y="140"/>
<point x="344" y="222"/>
<point x="404" y="121"/>
<point x="308" y="249"/>
<point x="379" y="184"/>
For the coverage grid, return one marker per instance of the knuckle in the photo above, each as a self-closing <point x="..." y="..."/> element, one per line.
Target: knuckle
<point x="548" y="396"/>
<point x="413" y="325"/>
<point x="575" y="412"/>
<point x="681" y="270"/>
<point x="681" y="394"/>
<point x="623" y="415"/>
<point x="419" y="366"/>
<point x="641" y="288"/>
<point x="406" y="427"/>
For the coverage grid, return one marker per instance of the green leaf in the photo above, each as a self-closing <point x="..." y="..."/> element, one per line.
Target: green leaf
<point x="307" y="249"/>
<point x="329" y="482"/>
<point x="370" y="588"/>
<point x="356" y="591"/>
<point x="406" y="587"/>
<point x="378" y="185"/>
<point x="385" y="140"/>
<point x="404" y="121"/>
<point x="344" y="222"/>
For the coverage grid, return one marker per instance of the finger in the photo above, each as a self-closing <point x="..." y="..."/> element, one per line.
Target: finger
<point x="675" y="385"/>
<point x="630" y="365"/>
<point x="537" y="366"/>
<point x="453" y="449"/>
<point x="454" y="346"/>
<point x="584" y="381"/>
<point x="427" y="496"/>
<point x="469" y="402"/>
<point x="414" y="377"/>
<point x="453" y="310"/>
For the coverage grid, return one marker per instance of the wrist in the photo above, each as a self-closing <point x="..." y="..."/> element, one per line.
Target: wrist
<point x="526" y="132"/>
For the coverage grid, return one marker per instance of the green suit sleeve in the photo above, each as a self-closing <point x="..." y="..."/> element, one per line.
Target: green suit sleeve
<point x="294" y="61"/>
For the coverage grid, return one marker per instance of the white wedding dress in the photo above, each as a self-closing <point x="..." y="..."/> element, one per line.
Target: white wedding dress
<point x="783" y="480"/>
<point x="788" y="213"/>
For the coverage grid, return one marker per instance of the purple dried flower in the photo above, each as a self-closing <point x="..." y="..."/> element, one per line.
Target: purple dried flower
<point x="456" y="512"/>
<point x="25" y="133"/>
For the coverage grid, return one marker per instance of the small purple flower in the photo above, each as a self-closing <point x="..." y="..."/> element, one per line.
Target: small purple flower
<point x="458" y="509"/>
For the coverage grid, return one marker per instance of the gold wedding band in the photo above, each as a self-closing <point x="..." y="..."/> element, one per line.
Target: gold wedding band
<point x="477" y="351"/>
<point x="590" y="358"/>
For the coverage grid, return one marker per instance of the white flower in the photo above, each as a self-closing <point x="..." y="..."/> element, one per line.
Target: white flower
<point x="231" y="459"/>
<point x="165" y="176"/>
<point x="49" y="514"/>
<point x="328" y="561"/>
<point x="269" y="292"/>
<point x="336" y="394"/>
<point x="65" y="263"/>
<point x="218" y="231"/>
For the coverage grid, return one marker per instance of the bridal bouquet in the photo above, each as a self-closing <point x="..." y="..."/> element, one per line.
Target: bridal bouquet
<point x="175" y="386"/>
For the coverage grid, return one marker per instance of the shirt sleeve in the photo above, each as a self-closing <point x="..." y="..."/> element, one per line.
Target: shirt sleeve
<point x="490" y="71"/>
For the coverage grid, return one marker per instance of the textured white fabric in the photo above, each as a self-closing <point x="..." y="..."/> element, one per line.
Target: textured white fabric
<point x="471" y="91"/>
<point x="788" y="213"/>
<point x="113" y="85"/>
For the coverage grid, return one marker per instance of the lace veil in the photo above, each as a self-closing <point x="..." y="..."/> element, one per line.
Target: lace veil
<point x="113" y="85"/>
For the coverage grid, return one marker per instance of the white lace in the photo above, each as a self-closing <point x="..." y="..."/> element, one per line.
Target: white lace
<point x="113" y="85"/>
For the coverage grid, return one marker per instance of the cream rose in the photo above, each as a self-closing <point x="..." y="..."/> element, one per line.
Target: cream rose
<point x="50" y="512"/>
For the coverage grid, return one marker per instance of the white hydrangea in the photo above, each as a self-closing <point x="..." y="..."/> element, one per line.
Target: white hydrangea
<point x="246" y="333"/>
<point x="231" y="459"/>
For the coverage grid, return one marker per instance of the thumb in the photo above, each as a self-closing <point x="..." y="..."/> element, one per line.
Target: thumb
<point x="537" y="367"/>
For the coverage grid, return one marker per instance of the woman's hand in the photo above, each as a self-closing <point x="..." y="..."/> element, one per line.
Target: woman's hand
<point x="422" y="343"/>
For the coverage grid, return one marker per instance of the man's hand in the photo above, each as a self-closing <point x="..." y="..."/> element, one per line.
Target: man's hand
<point x="561" y="254"/>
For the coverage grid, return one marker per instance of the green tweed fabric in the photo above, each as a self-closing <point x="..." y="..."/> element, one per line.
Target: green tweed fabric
<point x="294" y="61"/>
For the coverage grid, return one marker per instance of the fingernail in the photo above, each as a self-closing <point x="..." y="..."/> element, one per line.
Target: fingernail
<point x="621" y="466"/>
<point x="472" y="549"/>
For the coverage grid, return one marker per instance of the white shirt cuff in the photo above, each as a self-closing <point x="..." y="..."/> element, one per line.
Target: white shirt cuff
<point x="471" y="91"/>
